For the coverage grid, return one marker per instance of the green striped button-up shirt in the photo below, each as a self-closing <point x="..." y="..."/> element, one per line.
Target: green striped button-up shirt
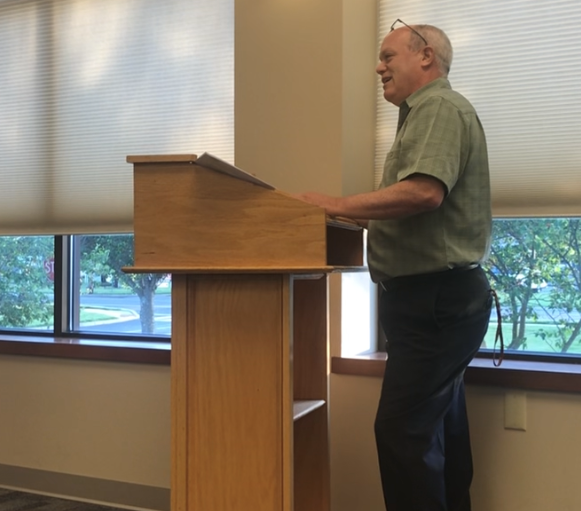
<point x="439" y="135"/>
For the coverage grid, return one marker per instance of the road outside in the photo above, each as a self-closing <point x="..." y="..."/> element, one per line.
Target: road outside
<point x="124" y="313"/>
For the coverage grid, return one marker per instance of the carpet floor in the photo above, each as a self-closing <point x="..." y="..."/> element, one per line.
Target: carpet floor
<point x="19" y="501"/>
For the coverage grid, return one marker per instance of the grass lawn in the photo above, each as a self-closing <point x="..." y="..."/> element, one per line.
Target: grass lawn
<point x="88" y="315"/>
<point x="110" y="290"/>
<point x="534" y="342"/>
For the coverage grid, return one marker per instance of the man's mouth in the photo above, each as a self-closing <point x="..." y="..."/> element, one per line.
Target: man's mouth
<point x="385" y="80"/>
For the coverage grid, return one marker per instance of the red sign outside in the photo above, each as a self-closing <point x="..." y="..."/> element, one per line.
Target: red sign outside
<point x="49" y="269"/>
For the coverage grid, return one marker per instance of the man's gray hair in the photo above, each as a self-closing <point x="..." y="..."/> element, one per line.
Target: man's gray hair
<point x="438" y="40"/>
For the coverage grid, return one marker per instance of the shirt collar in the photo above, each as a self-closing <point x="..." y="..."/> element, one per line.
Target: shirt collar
<point x="417" y="96"/>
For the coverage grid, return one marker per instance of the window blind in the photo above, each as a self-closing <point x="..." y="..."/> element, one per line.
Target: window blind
<point x="515" y="60"/>
<point x="86" y="83"/>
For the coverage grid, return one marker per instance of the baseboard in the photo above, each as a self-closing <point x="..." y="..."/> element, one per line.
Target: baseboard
<point x="90" y="489"/>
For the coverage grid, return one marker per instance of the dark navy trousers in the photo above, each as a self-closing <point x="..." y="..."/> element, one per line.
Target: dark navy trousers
<point x="434" y="325"/>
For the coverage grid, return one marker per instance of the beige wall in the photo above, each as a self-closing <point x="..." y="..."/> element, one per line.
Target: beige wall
<point x="305" y="88"/>
<point x="532" y="470"/>
<point x="112" y="421"/>
<point x="95" y="419"/>
<point x="526" y="470"/>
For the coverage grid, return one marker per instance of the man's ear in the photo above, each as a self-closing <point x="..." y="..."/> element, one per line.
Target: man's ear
<point x="428" y="56"/>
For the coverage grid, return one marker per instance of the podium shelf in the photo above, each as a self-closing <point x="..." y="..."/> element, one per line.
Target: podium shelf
<point x="302" y="408"/>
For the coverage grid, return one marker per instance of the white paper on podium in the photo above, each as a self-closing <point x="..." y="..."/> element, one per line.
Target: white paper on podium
<point x="214" y="163"/>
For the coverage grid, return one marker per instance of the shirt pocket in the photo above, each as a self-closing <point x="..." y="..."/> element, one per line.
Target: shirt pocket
<point x="391" y="166"/>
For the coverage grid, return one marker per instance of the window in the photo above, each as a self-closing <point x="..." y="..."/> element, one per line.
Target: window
<point x="358" y="299"/>
<point x="93" y="296"/>
<point x="27" y="283"/>
<point x="532" y="133"/>
<point x="535" y="266"/>
<point x="106" y="299"/>
<point x="85" y="84"/>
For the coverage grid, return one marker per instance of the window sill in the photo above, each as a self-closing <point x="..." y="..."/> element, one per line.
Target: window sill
<point x="87" y="349"/>
<point x="527" y="375"/>
<point x="520" y="374"/>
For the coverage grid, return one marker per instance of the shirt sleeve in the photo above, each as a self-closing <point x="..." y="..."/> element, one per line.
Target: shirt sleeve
<point x="432" y="142"/>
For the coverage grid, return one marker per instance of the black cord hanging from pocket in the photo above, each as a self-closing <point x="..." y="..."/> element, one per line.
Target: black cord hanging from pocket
<point x="498" y="336"/>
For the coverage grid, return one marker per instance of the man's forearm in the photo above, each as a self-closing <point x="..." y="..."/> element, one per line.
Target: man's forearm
<point x="403" y="199"/>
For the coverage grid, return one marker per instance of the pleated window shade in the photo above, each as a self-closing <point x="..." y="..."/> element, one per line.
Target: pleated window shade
<point x="517" y="61"/>
<point x="86" y="83"/>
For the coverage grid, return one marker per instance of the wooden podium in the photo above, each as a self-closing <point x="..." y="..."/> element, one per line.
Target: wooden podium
<point x="249" y="360"/>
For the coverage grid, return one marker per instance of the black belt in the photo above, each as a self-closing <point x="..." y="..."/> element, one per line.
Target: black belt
<point x="472" y="266"/>
<point x="455" y="269"/>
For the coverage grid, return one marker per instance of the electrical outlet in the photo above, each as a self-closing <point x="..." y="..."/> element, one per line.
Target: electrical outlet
<point x="515" y="410"/>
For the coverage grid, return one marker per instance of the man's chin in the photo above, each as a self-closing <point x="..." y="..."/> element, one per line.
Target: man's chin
<point x="390" y="99"/>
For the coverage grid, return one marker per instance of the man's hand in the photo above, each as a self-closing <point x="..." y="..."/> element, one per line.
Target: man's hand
<point x="329" y="203"/>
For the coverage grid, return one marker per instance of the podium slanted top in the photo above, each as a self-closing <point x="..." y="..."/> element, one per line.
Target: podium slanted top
<point x="208" y="161"/>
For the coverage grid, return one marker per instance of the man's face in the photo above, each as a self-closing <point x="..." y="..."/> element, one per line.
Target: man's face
<point x="399" y="68"/>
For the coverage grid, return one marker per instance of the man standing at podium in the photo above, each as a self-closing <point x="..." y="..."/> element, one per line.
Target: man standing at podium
<point x="429" y="229"/>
